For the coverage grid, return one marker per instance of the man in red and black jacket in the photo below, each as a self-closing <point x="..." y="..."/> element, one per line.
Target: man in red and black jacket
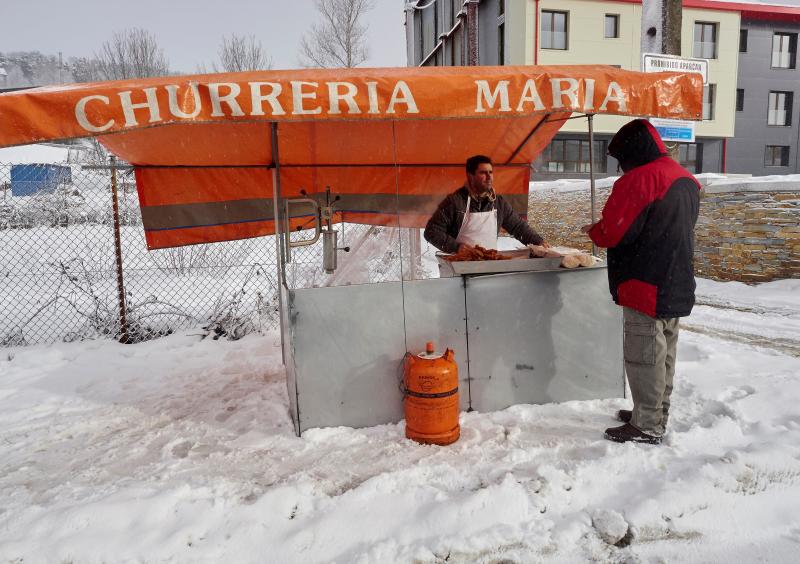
<point x="648" y="227"/>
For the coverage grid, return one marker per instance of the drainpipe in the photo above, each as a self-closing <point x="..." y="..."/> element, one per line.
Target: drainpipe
<point x="724" y="155"/>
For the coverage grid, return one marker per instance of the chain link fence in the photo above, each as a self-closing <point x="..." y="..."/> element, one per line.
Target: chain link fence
<point x="59" y="271"/>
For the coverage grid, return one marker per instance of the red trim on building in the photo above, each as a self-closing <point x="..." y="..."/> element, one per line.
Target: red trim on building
<point x="748" y="11"/>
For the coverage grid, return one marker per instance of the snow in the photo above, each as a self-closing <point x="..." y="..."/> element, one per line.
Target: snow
<point x="712" y="183"/>
<point x="35" y="154"/>
<point x="182" y="450"/>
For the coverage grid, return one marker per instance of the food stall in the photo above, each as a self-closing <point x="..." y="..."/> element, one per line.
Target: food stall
<point x="229" y="156"/>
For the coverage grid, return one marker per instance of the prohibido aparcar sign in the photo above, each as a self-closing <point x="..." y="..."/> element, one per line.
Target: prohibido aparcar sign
<point x="674" y="130"/>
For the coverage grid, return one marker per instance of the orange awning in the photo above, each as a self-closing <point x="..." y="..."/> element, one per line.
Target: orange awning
<point x="390" y="142"/>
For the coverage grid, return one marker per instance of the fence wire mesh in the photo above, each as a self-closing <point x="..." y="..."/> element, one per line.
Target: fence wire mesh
<point x="59" y="267"/>
<point x="59" y="273"/>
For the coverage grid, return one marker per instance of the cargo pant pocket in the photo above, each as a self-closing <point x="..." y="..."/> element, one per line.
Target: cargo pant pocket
<point x="640" y="343"/>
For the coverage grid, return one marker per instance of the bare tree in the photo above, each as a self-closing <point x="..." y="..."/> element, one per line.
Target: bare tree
<point x="239" y="53"/>
<point x="131" y="53"/>
<point x="340" y="40"/>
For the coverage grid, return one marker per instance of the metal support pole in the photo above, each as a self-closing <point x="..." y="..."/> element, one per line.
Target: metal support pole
<point x="123" y="322"/>
<point x="276" y="220"/>
<point x="415" y="234"/>
<point x="672" y="20"/>
<point x="661" y="33"/>
<point x="591" y="174"/>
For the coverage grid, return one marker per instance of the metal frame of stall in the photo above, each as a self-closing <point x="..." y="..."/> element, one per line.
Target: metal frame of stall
<point x="566" y="342"/>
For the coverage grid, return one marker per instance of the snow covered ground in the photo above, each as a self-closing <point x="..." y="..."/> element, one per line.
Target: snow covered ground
<point x="712" y="182"/>
<point x="182" y="450"/>
<point x="39" y="153"/>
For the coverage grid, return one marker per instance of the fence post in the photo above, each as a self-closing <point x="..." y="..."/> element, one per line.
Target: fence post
<point x="123" y="323"/>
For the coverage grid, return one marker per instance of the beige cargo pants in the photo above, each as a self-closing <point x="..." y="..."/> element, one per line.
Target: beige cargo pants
<point x="649" y="349"/>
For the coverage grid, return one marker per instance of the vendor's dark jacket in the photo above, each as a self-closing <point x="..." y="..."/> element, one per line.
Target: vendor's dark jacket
<point x="648" y="226"/>
<point x="445" y="223"/>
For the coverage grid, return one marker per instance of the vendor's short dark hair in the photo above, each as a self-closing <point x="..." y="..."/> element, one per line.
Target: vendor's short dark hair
<point x="475" y="160"/>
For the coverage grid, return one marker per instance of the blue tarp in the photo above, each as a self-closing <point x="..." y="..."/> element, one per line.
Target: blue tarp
<point x="30" y="179"/>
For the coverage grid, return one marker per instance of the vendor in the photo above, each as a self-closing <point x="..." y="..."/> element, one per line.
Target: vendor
<point x="474" y="214"/>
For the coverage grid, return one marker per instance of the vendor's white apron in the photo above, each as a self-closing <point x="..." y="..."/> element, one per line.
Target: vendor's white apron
<point x="479" y="228"/>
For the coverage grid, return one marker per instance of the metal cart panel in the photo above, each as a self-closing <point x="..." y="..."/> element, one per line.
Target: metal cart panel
<point x="543" y="337"/>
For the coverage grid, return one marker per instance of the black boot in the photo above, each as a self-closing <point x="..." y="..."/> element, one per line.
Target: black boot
<point x="624" y="415"/>
<point x="629" y="433"/>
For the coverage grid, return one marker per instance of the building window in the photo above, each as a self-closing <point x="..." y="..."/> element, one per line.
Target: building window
<point x="501" y="32"/>
<point x="572" y="155"/>
<point x="776" y="155"/>
<point x="612" y="26"/>
<point x="784" y="50"/>
<point x="780" y="108"/>
<point x="690" y="155"/>
<point x="553" y="30"/>
<point x="740" y="99"/>
<point x="743" y="41"/>
<point x="705" y="40"/>
<point x="708" y="101"/>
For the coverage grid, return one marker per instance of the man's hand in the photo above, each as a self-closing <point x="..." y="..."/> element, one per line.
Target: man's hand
<point x="587" y="228"/>
<point x="545" y="244"/>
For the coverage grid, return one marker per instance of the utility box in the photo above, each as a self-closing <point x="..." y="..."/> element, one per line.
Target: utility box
<point x="31" y="179"/>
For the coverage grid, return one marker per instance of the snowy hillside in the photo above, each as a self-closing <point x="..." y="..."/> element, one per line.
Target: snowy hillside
<point x="182" y="450"/>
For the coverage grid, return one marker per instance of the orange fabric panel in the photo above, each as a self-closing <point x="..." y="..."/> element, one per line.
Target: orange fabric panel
<point x="312" y="95"/>
<point x="342" y="180"/>
<point x="195" y="144"/>
<point x="194" y="205"/>
<point x="340" y="143"/>
<point x="164" y="186"/>
<point x="210" y="234"/>
<point x="453" y="141"/>
<point x="401" y="180"/>
<point x="439" y="180"/>
<point x="346" y="143"/>
<point x="171" y="186"/>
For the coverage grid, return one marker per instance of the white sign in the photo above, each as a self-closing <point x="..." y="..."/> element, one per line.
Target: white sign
<point x="674" y="130"/>
<point x="653" y="62"/>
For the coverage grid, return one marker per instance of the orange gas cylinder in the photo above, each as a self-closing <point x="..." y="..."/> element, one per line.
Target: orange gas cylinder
<point x="431" y="397"/>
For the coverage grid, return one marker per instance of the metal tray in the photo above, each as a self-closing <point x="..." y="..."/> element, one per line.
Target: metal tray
<point x="520" y="263"/>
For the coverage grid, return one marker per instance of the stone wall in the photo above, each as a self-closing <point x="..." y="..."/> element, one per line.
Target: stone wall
<point x="558" y="215"/>
<point x="747" y="231"/>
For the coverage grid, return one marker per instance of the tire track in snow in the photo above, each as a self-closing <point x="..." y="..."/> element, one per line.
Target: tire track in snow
<point x="784" y="345"/>
<point x="761" y="310"/>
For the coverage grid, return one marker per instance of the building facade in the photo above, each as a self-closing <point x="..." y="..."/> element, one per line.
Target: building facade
<point x="742" y="95"/>
<point x="767" y="112"/>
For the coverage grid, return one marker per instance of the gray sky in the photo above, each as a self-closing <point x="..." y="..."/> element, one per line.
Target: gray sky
<point x="189" y="31"/>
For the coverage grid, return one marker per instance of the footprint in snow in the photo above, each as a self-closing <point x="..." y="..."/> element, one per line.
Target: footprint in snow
<point x="181" y="450"/>
<point x="737" y="393"/>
